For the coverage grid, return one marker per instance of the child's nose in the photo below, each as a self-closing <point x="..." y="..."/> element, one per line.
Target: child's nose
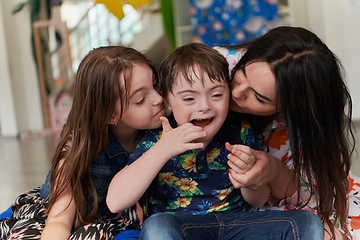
<point x="204" y="105"/>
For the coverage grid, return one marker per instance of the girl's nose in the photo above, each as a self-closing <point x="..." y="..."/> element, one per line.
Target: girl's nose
<point x="158" y="99"/>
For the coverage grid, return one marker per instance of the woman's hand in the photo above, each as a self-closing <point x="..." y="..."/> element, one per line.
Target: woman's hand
<point x="266" y="169"/>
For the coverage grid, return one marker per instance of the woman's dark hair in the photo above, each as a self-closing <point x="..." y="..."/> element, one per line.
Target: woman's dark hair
<point x="317" y="107"/>
<point x="183" y="61"/>
<point x="103" y="78"/>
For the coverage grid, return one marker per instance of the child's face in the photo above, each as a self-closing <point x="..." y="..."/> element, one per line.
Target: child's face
<point x="145" y="103"/>
<point x="205" y="105"/>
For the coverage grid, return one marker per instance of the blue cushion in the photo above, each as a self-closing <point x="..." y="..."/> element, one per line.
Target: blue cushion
<point x="6" y="214"/>
<point x="132" y="234"/>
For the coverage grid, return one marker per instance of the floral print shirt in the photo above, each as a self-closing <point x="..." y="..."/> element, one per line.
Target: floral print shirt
<point x="197" y="181"/>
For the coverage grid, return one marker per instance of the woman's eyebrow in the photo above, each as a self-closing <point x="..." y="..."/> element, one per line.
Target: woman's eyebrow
<point x="261" y="96"/>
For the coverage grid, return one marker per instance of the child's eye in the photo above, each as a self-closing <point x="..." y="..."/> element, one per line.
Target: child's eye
<point x="188" y="99"/>
<point x="217" y="95"/>
<point x="141" y="101"/>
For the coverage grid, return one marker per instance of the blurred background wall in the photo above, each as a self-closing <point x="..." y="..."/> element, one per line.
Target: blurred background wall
<point x="156" y="28"/>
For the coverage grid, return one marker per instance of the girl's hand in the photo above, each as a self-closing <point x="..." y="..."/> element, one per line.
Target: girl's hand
<point x="180" y="139"/>
<point x="241" y="158"/>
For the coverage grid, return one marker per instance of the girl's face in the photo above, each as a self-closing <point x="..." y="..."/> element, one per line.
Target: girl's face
<point x="145" y="103"/>
<point x="253" y="91"/>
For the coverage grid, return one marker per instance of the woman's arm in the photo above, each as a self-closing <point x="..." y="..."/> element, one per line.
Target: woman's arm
<point x="131" y="182"/>
<point x="60" y="218"/>
<point x="269" y="170"/>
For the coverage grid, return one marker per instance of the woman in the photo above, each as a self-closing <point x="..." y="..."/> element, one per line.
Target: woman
<point x="292" y="87"/>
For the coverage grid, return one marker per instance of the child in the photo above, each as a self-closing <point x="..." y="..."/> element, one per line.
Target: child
<point x="189" y="157"/>
<point x="114" y="100"/>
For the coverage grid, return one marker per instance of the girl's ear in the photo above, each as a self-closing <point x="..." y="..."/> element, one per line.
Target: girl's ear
<point x="114" y="120"/>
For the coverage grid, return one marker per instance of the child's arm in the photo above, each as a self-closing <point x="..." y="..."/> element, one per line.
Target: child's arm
<point x="256" y="198"/>
<point x="131" y="182"/>
<point x="241" y="159"/>
<point x="60" y="218"/>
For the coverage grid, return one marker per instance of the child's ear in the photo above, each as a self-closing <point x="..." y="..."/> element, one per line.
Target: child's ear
<point x="167" y="106"/>
<point x="114" y="120"/>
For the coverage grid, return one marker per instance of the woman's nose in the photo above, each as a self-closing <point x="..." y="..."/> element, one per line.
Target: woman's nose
<point x="239" y="91"/>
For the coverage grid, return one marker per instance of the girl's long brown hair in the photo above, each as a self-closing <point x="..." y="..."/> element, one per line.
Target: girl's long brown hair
<point x="317" y="107"/>
<point x="97" y="89"/>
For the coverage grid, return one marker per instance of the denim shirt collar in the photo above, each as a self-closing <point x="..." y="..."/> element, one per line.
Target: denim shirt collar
<point x="114" y="148"/>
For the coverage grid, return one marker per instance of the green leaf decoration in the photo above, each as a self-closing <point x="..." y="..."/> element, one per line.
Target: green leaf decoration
<point x="216" y="166"/>
<point x="186" y="193"/>
<point x="19" y="7"/>
<point x="156" y="201"/>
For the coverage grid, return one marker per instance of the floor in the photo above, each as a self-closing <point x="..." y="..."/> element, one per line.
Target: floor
<point x="24" y="164"/>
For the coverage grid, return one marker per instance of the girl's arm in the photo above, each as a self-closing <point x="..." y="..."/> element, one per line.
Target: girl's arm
<point x="60" y="218"/>
<point x="131" y="182"/>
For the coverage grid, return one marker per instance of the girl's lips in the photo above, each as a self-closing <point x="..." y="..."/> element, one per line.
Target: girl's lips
<point x="160" y="113"/>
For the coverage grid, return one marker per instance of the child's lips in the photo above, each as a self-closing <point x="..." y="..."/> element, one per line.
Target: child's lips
<point x="202" y="122"/>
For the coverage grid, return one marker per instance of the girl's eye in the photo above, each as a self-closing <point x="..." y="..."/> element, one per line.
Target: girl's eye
<point x="141" y="101"/>
<point x="258" y="99"/>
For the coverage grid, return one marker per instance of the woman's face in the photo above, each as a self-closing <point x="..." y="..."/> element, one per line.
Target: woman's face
<point x="253" y="91"/>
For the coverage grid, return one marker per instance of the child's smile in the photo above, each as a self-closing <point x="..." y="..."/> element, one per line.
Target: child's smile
<point x="202" y="122"/>
<point x="204" y="103"/>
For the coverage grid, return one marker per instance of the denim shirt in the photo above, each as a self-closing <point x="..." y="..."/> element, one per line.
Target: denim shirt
<point x="103" y="169"/>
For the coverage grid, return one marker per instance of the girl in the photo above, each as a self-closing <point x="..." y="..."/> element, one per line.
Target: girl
<point x="293" y="83"/>
<point x="114" y="100"/>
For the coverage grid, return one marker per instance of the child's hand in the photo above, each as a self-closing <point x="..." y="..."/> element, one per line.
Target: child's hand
<point x="241" y="158"/>
<point x="179" y="140"/>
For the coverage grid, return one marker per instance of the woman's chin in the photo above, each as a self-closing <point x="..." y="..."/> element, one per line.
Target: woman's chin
<point x="236" y="108"/>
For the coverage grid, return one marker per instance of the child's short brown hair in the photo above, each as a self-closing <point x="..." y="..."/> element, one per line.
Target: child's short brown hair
<point x="182" y="60"/>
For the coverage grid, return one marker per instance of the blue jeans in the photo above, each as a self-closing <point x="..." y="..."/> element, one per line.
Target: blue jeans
<point x="297" y="224"/>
